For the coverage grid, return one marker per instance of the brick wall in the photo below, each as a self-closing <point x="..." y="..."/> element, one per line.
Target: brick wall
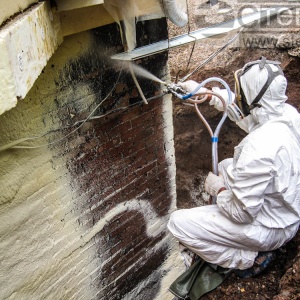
<point x="84" y="217"/>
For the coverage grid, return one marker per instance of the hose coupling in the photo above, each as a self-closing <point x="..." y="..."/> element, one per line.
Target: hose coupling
<point x="176" y="90"/>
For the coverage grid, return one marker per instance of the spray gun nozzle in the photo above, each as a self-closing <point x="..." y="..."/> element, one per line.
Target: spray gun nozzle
<point x="175" y="89"/>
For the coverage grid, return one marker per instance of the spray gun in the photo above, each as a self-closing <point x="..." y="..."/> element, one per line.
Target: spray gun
<point x="176" y="90"/>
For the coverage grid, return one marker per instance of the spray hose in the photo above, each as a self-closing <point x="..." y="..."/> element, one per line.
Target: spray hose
<point x="192" y="99"/>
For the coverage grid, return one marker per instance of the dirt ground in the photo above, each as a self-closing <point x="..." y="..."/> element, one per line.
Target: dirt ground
<point x="193" y="153"/>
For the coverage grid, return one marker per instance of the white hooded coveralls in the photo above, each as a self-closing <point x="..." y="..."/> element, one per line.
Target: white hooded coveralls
<point x="260" y="209"/>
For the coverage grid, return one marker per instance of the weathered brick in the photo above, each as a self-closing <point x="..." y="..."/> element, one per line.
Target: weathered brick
<point x="82" y="192"/>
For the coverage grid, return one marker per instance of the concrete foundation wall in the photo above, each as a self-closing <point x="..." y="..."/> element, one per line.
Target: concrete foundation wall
<point x="84" y="216"/>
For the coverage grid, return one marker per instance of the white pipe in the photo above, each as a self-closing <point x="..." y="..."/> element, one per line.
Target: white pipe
<point x="174" y="13"/>
<point x="137" y="84"/>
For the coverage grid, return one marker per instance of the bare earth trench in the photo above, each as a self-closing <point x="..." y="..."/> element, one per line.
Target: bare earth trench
<point x="193" y="152"/>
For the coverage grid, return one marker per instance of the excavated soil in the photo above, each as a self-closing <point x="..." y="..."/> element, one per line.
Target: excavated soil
<point x="193" y="153"/>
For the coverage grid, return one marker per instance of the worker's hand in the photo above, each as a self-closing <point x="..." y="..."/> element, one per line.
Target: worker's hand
<point x="190" y="85"/>
<point x="213" y="184"/>
<point x="216" y="102"/>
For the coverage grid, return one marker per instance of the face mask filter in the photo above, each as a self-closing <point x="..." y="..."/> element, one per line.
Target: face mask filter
<point x="234" y="112"/>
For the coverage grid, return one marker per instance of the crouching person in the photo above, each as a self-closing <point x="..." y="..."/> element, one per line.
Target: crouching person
<point x="258" y="190"/>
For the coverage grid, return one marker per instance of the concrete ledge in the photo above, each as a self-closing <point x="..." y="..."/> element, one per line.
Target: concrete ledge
<point x="84" y="18"/>
<point x="77" y="16"/>
<point x="9" y="8"/>
<point x="26" y="44"/>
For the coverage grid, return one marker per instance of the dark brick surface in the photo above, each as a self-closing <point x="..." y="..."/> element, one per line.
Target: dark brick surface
<point x="118" y="159"/>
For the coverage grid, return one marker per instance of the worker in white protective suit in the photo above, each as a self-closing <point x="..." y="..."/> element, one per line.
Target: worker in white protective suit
<point x="258" y="190"/>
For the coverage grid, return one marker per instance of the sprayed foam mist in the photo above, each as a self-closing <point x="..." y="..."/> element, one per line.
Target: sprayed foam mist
<point x="141" y="72"/>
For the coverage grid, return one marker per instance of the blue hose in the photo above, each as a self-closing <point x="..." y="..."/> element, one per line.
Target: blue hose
<point x="214" y="138"/>
<point x="205" y="82"/>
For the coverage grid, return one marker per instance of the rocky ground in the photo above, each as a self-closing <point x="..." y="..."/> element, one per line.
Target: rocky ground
<point x="193" y="153"/>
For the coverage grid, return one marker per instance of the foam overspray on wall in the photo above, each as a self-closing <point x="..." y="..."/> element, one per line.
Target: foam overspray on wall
<point x="85" y="218"/>
<point x="125" y="179"/>
<point x="127" y="12"/>
<point x="41" y="251"/>
<point x="173" y="266"/>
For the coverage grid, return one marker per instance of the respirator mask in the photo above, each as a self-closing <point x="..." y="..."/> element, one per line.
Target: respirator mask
<point x="241" y="109"/>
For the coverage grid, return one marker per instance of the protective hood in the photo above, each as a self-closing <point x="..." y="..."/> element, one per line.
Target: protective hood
<point x="272" y="104"/>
